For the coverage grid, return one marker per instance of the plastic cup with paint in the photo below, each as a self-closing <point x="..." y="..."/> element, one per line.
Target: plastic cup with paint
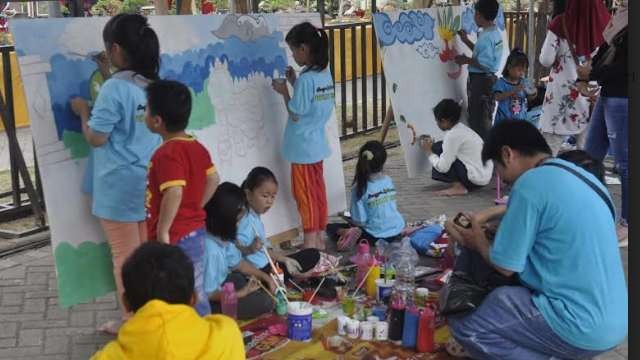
<point x="424" y="139"/>
<point x="382" y="331"/>
<point x="529" y="86"/>
<point x="381" y="312"/>
<point x="348" y="306"/>
<point x="342" y="324"/>
<point x="299" y="321"/>
<point x="281" y="304"/>
<point x="384" y="289"/>
<point x="366" y="330"/>
<point x="353" y="329"/>
<point x="372" y="318"/>
<point x="422" y="294"/>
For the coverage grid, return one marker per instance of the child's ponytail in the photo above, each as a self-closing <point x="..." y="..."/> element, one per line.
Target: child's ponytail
<point x="145" y="58"/>
<point x="317" y="41"/>
<point x="322" y="55"/>
<point x="371" y="159"/>
<point x="139" y="42"/>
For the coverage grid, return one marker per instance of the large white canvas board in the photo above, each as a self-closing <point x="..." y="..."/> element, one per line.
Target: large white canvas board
<point x="418" y="48"/>
<point x="228" y="61"/>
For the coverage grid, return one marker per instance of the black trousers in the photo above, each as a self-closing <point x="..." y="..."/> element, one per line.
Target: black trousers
<point x="307" y="258"/>
<point x="250" y="306"/>
<point x="481" y="102"/>
<point x="457" y="172"/>
<point x="332" y="233"/>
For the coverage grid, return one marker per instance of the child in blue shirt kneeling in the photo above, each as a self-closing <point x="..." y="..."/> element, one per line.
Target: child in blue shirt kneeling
<point x="374" y="211"/>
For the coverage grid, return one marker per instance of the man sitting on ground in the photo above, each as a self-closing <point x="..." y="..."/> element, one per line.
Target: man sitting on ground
<point x="158" y="288"/>
<point x="456" y="159"/>
<point x="558" y="235"/>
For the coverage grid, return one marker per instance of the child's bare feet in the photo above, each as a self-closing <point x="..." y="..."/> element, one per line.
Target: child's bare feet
<point x="349" y="238"/>
<point x="457" y="189"/>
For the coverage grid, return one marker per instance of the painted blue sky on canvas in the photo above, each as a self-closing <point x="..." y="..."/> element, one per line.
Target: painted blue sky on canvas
<point x="70" y="71"/>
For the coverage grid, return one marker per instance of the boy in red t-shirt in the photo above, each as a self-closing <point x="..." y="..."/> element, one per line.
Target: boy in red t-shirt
<point x="181" y="179"/>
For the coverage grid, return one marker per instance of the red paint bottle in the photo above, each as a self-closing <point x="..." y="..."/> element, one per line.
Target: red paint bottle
<point x="426" y="330"/>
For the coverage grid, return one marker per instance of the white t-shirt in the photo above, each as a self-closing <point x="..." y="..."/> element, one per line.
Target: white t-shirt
<point x="460" y="142"/>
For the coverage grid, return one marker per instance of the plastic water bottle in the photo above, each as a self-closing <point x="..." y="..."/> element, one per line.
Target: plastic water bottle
<point x="405" y="279"/>
<point x="229" y="301"/>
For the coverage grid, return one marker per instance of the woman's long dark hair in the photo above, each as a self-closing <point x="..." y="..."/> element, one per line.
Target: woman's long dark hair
<point x="138" y="40"/>
<point x="371" y="159"/>
<point x="317" y="41"/>
<point x="223" y="209"/>
<point x="558" y="7"/>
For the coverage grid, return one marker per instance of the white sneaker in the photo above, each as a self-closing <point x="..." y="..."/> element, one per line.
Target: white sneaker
<point x="455" y="349"/>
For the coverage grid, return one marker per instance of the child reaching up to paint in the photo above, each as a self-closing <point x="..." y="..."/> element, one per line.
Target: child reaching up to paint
<point x="373" y="201"/>
<point x="261" y="188"/>
<point x="225" y="209"/>
<point x="484" y="63"/>
<point x="121" y="146"/>
<point x="305" y="143"/>
<point x="182" y="178"/>
<point x="509" y="90"/>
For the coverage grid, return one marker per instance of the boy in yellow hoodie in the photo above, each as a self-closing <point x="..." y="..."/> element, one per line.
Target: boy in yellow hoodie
<point x="158" y="284"/>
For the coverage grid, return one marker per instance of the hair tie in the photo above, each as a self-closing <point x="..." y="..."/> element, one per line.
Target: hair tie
<point x="367" y="154"/>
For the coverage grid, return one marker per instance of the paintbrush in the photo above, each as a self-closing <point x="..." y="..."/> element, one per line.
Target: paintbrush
<point x="364" y="279"/>
<point x="267" y="290"/>
<point x="337" y="270"/>
<point x="273" y="266"/>
<point x="296" y="285"/>
<point x="315" y="292"/>
<point x="279" y="284"/>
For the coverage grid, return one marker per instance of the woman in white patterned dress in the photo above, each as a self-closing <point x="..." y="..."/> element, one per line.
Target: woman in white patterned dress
<point x="565" y="110"/>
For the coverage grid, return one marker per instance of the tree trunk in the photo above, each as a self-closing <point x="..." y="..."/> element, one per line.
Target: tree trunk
<point x="240" y="6"/>
<point x="186" y="7"/>
<point x="162" y="7"/>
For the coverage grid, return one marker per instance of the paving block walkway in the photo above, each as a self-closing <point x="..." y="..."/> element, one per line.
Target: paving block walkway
<point x="33" y="326"/>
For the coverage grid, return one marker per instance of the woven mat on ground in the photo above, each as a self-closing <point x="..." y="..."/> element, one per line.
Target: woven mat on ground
<point x="273" y="347"/>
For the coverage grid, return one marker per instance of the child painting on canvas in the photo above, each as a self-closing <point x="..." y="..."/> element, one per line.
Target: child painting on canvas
<point x="305" y="143"/>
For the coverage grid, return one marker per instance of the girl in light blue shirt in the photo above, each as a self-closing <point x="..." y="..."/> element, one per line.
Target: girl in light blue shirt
<point x="374" y="210"/>
<point x="305" y="143"/>
<point x="121" y="144"/>
<point x="261" y="188"/>
<point x="222" y="260"/>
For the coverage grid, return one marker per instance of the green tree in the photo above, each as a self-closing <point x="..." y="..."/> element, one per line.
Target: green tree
<point x="133" y="6"/>
<point x="106" y="7"/>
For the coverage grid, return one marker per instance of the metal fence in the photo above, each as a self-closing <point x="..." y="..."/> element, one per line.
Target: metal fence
<point x="361" y="100"/>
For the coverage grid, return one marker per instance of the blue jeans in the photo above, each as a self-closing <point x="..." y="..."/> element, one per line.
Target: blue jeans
<point x="193" y="247"/>
<point x="609" y="126"/>
<point x="509" y="326"/>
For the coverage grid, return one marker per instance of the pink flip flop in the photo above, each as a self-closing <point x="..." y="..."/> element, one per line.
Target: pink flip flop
<point x="347" y="240"/>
